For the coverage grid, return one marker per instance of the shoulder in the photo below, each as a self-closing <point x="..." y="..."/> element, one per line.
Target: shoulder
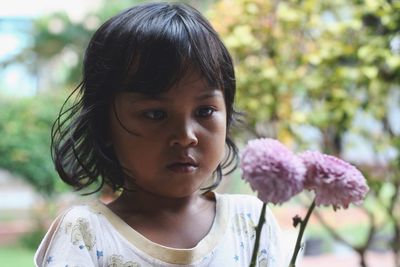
<point x="82" y="212"/>
<point x="72" y="232"/>
<point x="78" y="218"/>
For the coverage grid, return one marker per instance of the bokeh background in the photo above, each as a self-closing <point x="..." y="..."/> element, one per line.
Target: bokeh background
<point x="315" y="74"/>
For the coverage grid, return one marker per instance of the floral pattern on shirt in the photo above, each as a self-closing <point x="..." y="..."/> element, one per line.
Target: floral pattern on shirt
<point x="81" y="233"/>
<point x="118" y="261"/>
<point x="242" y="223"/>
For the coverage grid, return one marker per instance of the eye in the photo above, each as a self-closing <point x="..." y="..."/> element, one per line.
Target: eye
<point x="155" y="114"/>
<point x="205" y="112"/>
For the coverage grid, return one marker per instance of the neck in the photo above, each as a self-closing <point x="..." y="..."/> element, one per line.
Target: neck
<point x="147" y="203"/>
<point x="173" y="222"/>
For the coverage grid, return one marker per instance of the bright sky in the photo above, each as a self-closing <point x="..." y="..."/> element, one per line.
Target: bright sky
<point x="9" y="41"/>
<point x="32" y="8"/>
<point x="15" y="78"/>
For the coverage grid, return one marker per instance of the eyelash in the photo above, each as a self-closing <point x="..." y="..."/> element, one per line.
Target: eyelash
<point x="210" y="110"/>
<point x="158" y="114"/>
<point x="149" y="114"/>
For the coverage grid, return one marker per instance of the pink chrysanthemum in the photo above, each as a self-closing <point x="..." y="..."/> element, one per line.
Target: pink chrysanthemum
<point x="334" y="181"/>
<point x="272" y="170"/>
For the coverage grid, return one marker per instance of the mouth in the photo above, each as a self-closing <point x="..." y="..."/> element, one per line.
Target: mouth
<point x="187" y="165"/>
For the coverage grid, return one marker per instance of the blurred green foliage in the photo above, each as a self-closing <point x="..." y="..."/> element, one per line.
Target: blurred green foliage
<point x="25" y="139"/>
<point x="323" y="65"/>
<point x="311" y="62"/>
<point x="32" y="239"/>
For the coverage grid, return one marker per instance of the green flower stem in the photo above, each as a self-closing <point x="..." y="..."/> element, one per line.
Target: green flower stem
<point x="303" y="225"/>
<point x="258" y="234"/>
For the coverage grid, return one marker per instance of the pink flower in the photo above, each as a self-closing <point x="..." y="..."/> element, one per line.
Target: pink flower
<point x="272" y="170"/>
<point x="334" y="181"/>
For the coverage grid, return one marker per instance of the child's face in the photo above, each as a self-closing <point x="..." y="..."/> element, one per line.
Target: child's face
<point x="179" y="137"/>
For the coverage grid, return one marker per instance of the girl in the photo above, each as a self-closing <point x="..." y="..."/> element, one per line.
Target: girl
<point x="152" y="122"/>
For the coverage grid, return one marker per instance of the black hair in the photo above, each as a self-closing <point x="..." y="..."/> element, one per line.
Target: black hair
<point x="146" y="49"/>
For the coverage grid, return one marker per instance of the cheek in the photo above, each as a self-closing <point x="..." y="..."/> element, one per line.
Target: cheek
<point x="123" y="143"/>
<point x="216" y="143"/>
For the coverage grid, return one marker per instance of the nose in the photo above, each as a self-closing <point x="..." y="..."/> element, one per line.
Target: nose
<point x="184" y="134"/>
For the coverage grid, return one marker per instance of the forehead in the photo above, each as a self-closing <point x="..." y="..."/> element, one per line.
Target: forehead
<point x="191" y="82"/>
<point x="192" y="85"/>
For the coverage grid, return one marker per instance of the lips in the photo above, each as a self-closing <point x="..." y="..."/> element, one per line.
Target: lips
<point x="185" y="165"/>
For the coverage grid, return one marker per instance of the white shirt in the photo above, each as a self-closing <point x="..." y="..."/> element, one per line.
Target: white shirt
<point x="92" y="235"/>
